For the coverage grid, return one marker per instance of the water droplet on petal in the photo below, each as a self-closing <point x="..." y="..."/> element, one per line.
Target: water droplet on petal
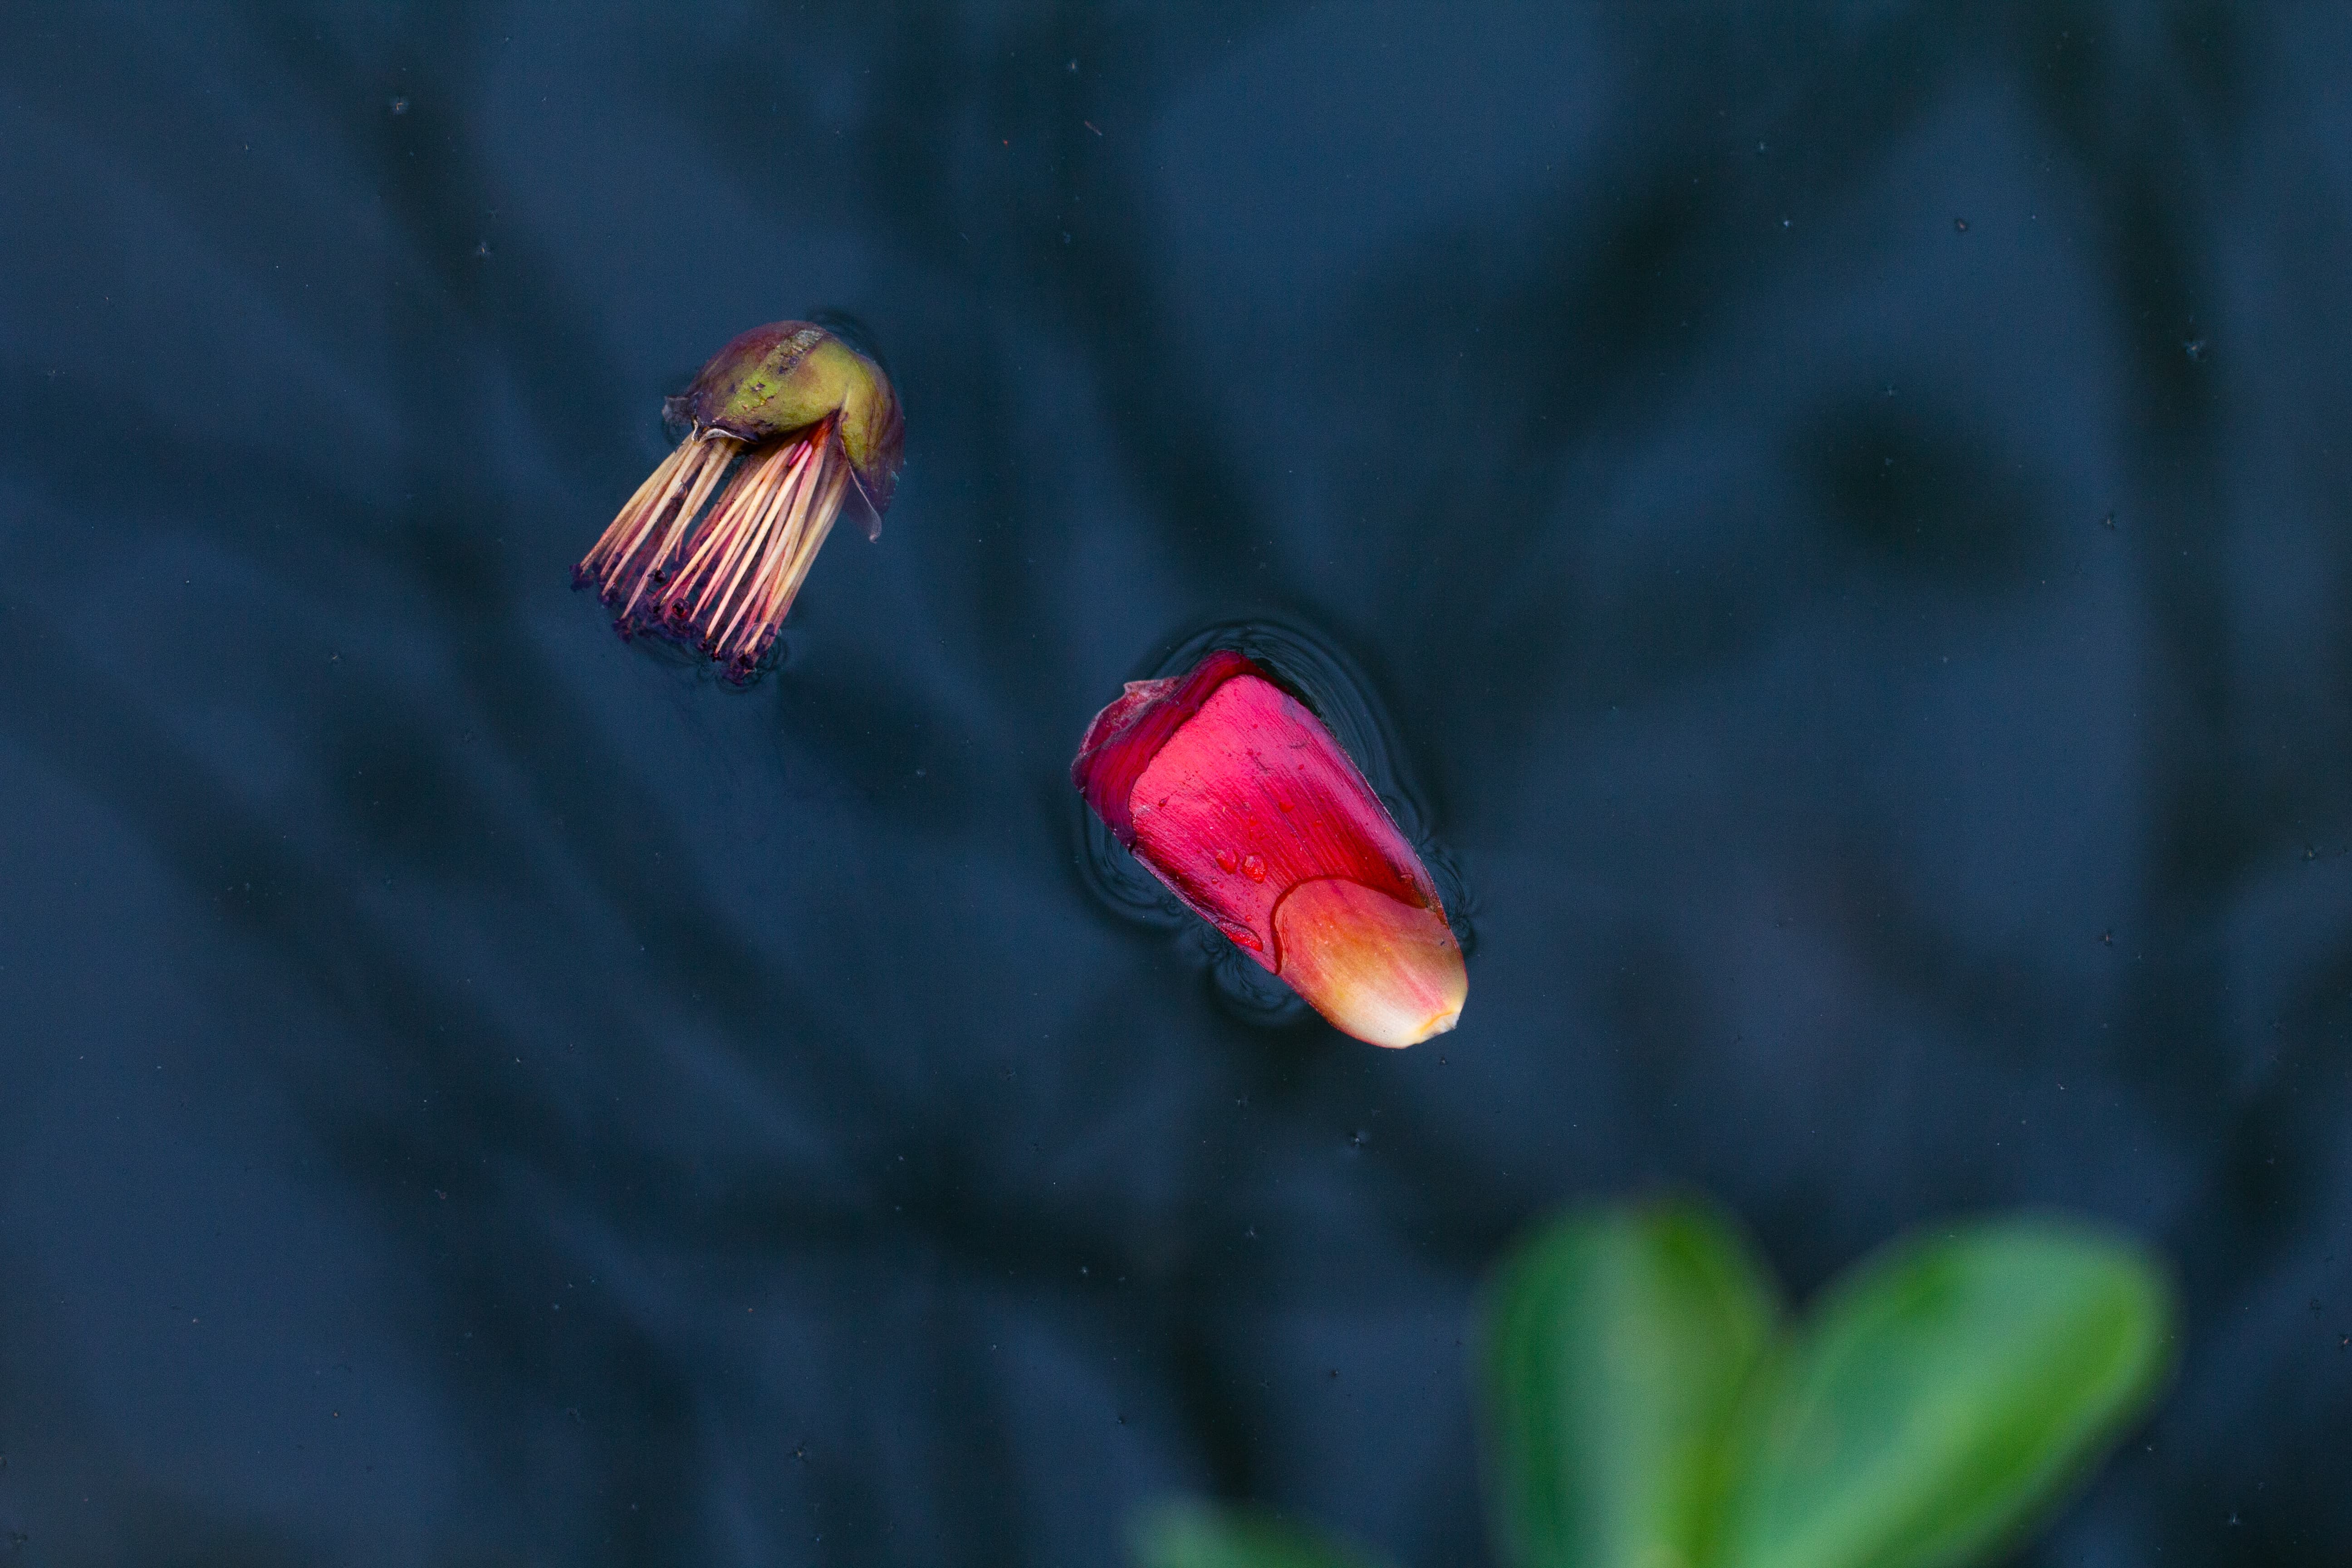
<point x="1228" y="860"/>
<point x="1253" y="867"/>
<point x="1247" y="939"/>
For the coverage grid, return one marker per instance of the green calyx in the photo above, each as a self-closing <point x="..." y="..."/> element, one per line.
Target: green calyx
<point x="787" y="376"/>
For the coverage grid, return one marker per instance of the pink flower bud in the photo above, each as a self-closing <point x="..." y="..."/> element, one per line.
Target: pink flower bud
<point x="1229" y="792"/>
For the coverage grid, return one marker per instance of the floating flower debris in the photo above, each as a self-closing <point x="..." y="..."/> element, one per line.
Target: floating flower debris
<point x="780" y="426"/>
<point x="1235" y="796"/>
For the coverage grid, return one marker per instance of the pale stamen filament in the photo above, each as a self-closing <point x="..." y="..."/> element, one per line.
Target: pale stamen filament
<point x="743" y="525"/>
<point x="719" y="537"/>
<point x="637" y="517"/>
<point x="731" y="574"/>
<point x="786" y="530"/>
<point x="716" y="452"/>
<point x="771" y="536"/>
<point x="827" y="507"/>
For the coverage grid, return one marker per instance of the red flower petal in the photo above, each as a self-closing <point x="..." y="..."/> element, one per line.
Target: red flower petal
<point x="1237" y="798"/>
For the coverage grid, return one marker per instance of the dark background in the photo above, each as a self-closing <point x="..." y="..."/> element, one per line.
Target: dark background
<point x="475" y="1092"/>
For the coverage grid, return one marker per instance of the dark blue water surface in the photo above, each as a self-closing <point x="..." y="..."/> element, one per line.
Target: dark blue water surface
<point x="1842" y="508"/>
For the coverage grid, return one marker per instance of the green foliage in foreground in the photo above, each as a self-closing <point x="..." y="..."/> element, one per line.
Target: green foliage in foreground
<point x="1649" y="1404"/>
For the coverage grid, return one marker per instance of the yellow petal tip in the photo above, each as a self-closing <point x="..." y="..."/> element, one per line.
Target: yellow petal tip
<point x="1388" y="973"/>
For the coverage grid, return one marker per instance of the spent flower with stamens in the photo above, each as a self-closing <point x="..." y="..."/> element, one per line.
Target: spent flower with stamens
<point x="1237" y="798"/>
<point x="713" y="546"/>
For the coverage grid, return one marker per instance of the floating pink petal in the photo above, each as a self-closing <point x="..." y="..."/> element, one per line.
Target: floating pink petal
<point x="1234" y="795"/>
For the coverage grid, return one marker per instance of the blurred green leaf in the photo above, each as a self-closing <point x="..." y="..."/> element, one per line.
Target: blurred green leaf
<point x="1617" y="1344"/>
<point x="1945" y="1393"/>
<point x="1201" y="1535"/>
